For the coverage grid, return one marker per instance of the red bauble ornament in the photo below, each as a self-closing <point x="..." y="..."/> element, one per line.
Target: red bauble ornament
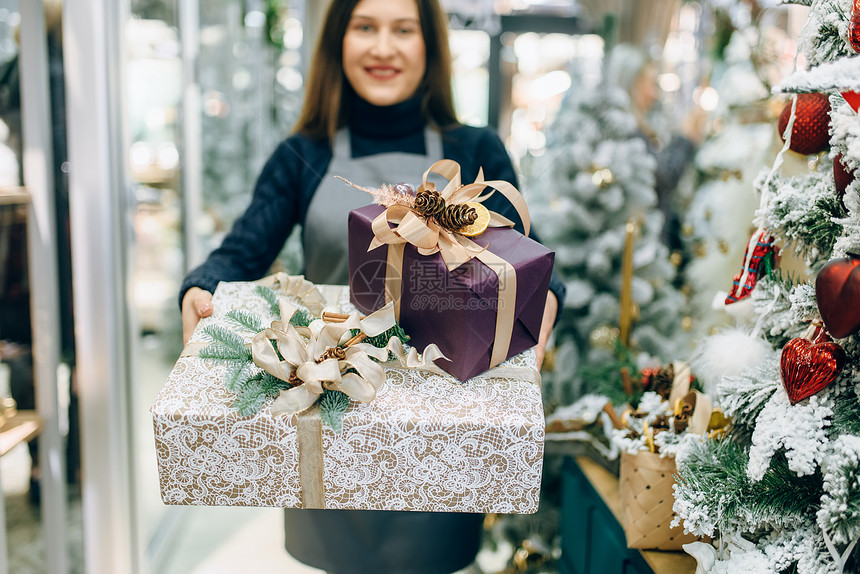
<point x="808" y="367"/>
<point x="853" y="99"/>
<point x="837" y="290"/>
<point x="854" y="26"/>
<point x="842" y="177"/>
<point x="811" y="123"/>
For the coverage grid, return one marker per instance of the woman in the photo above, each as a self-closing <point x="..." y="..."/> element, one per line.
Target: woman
<point x="633" y="71"/>
<point x="378" y="109"/>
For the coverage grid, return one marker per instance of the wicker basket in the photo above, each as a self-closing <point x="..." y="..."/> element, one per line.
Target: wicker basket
<point x="647" y="497"/>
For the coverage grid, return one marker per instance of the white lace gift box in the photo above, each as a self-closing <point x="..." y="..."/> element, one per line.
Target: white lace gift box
<point x="427" y="442"/>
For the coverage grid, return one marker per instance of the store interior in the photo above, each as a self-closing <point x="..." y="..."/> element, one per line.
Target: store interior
<point x="168" y="109"/>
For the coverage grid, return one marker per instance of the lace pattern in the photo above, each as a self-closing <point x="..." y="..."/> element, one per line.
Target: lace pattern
<point x="427" y="442"/>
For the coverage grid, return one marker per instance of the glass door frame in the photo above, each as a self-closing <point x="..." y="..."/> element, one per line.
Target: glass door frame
<point x="99" y="188"/>
<point x="44" y="292"/>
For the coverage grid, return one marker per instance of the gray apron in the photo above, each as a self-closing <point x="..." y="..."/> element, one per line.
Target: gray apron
<point x="372" y="541"/>
<point x="324" y="234"/>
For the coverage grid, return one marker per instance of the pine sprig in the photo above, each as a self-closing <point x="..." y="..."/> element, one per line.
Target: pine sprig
<point x="245" y="320"/>
<point x="840" y="505"/>
<point x="271" y="297"/>
<point x="224" y="336"/>
<point x="743" y="396"/>
<point x="250" y="402"/>
<point x="333" y="407"/>
<point x="228" y="346"/>
<point x="380" y="341"/>
<point x="604" y="378"/>
<point x="238" y="375"/>
<point x="301" y="318"/>
<point x="802" y="212"/>
<point x="785" y="279"/>
<point x="253" y="394"/>
<point x="846" y="417"/>
<point x="714" y="475"/>
<point x="272" y="385"/>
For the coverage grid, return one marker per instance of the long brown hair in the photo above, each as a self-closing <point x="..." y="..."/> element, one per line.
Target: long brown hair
<point x="323" y="111"/>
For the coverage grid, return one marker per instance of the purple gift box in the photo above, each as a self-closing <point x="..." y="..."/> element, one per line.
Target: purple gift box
<point x="456" y="309"/>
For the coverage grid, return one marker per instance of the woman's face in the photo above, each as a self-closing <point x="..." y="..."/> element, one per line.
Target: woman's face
<point x="384" y="57"/>
<point x="646" y="89"/>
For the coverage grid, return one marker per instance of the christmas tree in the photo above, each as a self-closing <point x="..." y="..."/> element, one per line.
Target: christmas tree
<point x="781" y="493"/>
<point x="596" y="182"/>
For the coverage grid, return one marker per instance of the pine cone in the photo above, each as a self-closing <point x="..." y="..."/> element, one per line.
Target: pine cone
<point x="661" y="381"/>
<point x="294" y="379"/>
<point x="429" y="203"/>
<point x="456" y="217"/>
<point x="338" y="353"/>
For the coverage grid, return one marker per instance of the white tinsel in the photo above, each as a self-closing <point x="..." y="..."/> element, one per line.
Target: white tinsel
<point x="797" y="430"/>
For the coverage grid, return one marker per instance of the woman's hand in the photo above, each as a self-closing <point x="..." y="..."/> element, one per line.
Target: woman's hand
<point x="549" y="312"/>
<point x="196" y="304"/>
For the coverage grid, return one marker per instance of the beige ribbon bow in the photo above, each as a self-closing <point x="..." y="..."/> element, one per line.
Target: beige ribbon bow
<point x="305" y="358"/>
<point x="427" y="235"/>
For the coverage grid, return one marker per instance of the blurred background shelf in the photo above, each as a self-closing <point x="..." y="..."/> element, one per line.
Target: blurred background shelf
<point x="14" y="196"/>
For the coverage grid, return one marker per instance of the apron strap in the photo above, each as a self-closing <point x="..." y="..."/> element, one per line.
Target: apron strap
<point x="342" y="144"/>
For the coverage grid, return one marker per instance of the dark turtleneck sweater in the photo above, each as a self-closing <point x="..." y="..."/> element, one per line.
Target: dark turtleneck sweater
<point x="292" y="174"/>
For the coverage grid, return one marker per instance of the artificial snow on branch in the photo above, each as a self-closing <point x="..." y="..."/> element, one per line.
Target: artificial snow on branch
<point x="842" y="75"/>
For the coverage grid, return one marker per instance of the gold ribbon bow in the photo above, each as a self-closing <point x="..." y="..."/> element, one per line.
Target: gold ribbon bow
<point x="455" y="249"/>
<point x="297" y="286"/>
<point x="316" y="361"/>
<point x="427" y="235"/>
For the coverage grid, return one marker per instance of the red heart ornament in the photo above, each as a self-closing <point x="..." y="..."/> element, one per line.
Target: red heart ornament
<point x="842" y="177"/>
<point x="854" y="26"/>
<point x="837" y="290"/>
<point x="853" y="99"/>
<point x="807" y="368"/>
